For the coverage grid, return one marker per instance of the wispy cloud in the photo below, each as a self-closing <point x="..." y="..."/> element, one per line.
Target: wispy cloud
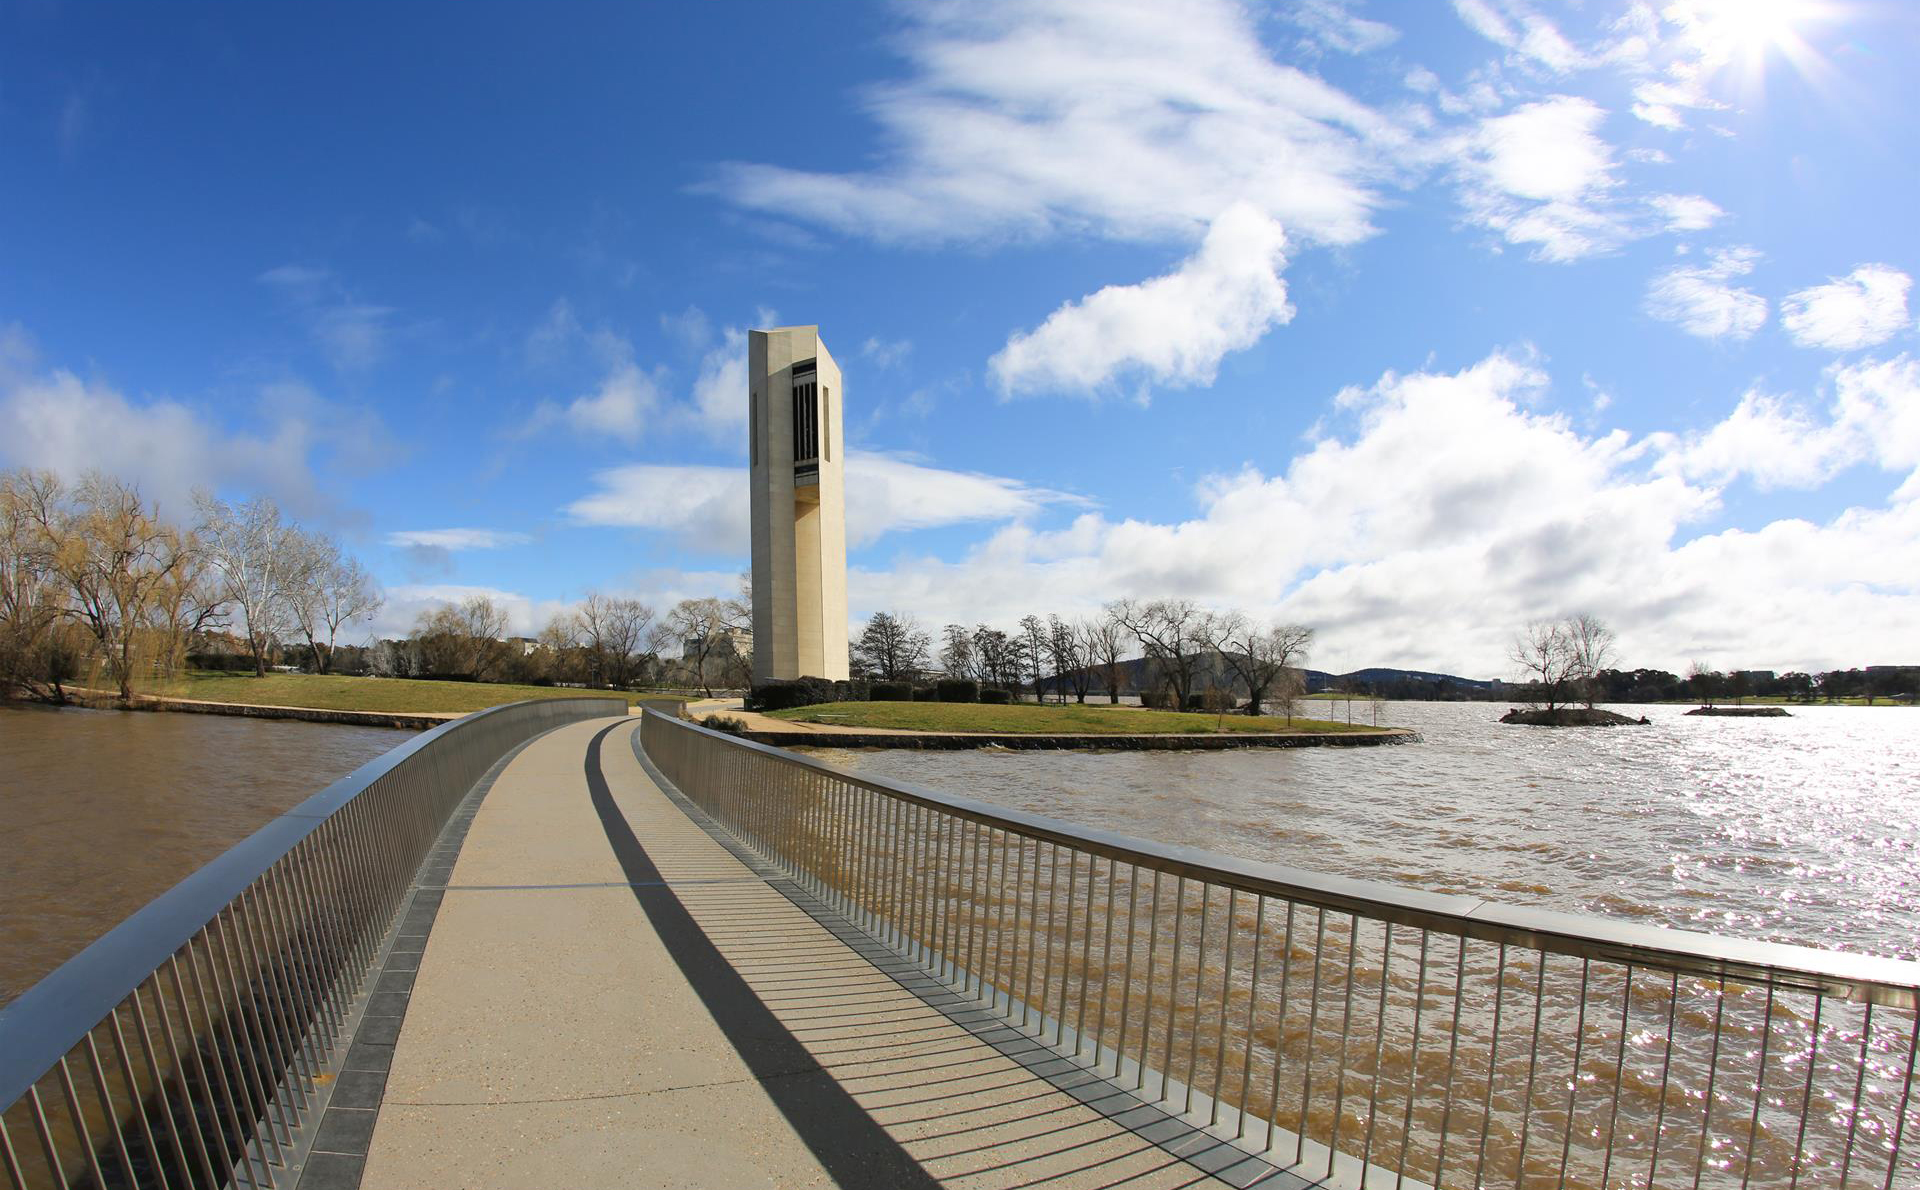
<point x="351" y="333"/>
<point x="1702" y="299"/>
<point x="1016" y="114"/>
<point x="457" y="539"/>
<point x="708" y="506"/>
<point x="1333" y="25"/>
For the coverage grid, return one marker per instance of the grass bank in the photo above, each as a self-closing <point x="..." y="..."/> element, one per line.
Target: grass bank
<point x="332" y="692"/>
<point x="1027" y="719"/>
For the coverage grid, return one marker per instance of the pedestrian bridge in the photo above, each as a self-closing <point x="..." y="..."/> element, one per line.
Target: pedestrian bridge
<point x="540" y="947"/>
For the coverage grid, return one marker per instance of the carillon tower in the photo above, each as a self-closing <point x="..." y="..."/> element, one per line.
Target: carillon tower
<point x="798" y="461"/>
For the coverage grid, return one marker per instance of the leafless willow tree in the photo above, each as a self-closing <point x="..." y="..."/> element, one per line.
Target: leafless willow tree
<point x="1171" y="633"/>
<point x="1266" y="660"/>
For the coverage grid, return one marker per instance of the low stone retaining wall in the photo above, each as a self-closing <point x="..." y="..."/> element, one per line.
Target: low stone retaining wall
<point x="404" y="720"/>
<point x="1119" y="743"/>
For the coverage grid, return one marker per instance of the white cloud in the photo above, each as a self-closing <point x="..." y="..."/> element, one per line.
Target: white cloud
<point x="54" y="420"/>
<point x="457" y="539"/>
<point x="1686" y="212"/>
<point x="1866" y="307"/>
<point x="1131" y="120"/>
<point x="885" y="353"/>
<point x="720" y="389"/>
<point x="407" y="602"/>
<point x="1873" y="417"/>
<point x="1542" y="175"/>
<point x="1515" y="26"/>
<point x="885" y="494"/>
<point x="1455" y="509"/>
<point x="620" y="408"/>
<point x="1332" y="24"/>
<point x="1703" y="301"/>
<point x="1173" y="329"/>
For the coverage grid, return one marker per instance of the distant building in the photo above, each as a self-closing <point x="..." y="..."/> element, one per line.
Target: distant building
<point x="798" y="467"/>
<point x="720" y="642"/>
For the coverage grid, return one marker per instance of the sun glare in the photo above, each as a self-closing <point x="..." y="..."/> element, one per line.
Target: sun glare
<point x="1744" y="35"/>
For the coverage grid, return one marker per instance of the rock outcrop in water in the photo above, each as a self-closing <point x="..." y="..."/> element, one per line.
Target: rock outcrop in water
<point x="1568" y="717"/>
<point x="1744" y="712"/>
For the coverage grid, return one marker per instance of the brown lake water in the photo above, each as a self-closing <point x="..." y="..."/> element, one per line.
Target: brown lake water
<point x="101" y="811"/>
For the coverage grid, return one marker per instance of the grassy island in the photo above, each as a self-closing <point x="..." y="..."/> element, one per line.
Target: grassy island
<point x="333" y="692"/>
<point x="1029" y="719"/>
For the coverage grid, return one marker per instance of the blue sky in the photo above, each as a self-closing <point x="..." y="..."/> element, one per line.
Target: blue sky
<point x="1408" y="321"/>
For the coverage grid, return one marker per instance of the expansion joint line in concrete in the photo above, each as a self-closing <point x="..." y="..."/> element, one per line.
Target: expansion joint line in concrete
<point x="1206" y="1153"/>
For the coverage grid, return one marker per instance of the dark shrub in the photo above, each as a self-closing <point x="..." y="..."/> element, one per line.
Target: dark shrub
<point x="726" y="723"/>
<point x="1196" y="702"/>
<point x="784" y="695"/>
<point x="997" y="696"/>
<point x="890" y="692"/>
<point x="925" y="694"/>
<point x="958" y="690"/>
<point x="1154" y="698"/>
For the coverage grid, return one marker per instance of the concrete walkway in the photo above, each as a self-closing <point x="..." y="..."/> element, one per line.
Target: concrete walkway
<point x="610" y="997"/>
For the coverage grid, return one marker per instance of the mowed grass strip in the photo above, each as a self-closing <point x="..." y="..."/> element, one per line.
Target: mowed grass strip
<point x="1027" y="719"/>
<point x="332" y="692"/>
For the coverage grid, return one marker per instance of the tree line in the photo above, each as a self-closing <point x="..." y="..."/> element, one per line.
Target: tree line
<point x="95" y="583"/>
<point x="1191" y="655"/>
<point x="605" y="641"/>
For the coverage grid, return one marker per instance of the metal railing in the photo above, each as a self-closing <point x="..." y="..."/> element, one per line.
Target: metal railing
<point x="189" y="1045"/>
<point x="1355" y="1033"/>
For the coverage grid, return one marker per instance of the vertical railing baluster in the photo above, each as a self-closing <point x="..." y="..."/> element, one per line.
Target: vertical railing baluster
<point x="1346" y="1027"/>
<point x="1199" y="981"/>
<point x="1806" y="1094"/>
<point x="1493" y="1067"/>
<point x="1533" y="1064"/>
<point x="1413" y="1061"/>
<point x="1379" y="1048"/>
<point x="1253" y="1011"/>
<point x="1226" y="995"/>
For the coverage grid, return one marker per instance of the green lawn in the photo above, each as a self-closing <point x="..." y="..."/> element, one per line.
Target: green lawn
<point x="1027" y="719"/>
<point x="334" y="693"/>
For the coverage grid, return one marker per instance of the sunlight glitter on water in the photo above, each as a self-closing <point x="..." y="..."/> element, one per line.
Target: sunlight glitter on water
<point x="1803" y="829"/>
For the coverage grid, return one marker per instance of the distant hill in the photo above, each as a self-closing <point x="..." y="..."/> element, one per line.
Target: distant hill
<point x="1383" y="680"/>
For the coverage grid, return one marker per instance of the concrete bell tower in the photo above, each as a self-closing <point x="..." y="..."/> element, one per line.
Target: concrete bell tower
<point x="798" y="460"/>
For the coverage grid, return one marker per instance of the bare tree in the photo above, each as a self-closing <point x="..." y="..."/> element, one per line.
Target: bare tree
<point x="1260" y="657"/>
<point x="1591" y="643"/>
<point x="1066" y="648"/>
<point x="259" y="559"/>
<point x="614" y="634"/>
<point x="1103" y="643"/>
<point x="956" y="652"/>
<point x="699" y="624"/>
<point x="893" y="647"/>
<point x="115" y="556"/>
<point x="1033" y="639"/>
<point x="462" y="638"/>
<point x="1170" y="633"/>
<point x="1546" y="657"/>
<point x="33" y="602"/>
<point x="331" y="591"/>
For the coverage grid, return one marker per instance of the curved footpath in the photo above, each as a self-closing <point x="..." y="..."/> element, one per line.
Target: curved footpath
<point x="610" y="993"/>
<point x="781" y="733"/>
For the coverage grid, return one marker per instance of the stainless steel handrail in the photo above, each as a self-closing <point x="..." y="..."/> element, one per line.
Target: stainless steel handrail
<point x="183" y="1046"/>
<point x="1498" y="1023"/>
